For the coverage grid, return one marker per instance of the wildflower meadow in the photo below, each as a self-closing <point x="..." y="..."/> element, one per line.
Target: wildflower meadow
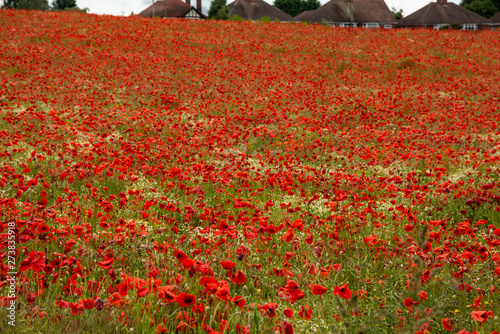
<point x="181" y="176"/>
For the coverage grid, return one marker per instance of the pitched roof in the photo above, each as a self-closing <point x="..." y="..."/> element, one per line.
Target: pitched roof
<point x="443" y="12"/>
<point x="256" y="9"/>
<point x="168" y="8"/>
<point x="361" y="11"/>
<point x="495" y="18"/>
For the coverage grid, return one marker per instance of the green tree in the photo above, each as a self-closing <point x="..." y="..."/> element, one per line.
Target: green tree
<point x="495" y="2"/>
<point x="295" y="7"/>
<point x="218" y="10"/>
<point x="398" y="14"/>
<point x="63" y="4"/>
<point x="485" y="8"/>
<point x="311" y="4"/>
<point x="26" y="4"/>
<point x="291" y="7"/>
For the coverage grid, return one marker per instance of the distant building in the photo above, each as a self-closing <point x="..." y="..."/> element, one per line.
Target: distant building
<point x="174" y="8"/>
<point x="496" y="21"/>
<point x="351" y="13"/>
<point x="255" y="10"/>
<point x="443" y="13"/>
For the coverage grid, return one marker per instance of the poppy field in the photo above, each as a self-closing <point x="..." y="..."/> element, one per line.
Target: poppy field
<point x="177" y="176"/>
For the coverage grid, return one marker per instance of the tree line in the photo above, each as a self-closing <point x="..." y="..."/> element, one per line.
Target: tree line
<point x="218" y="9"/>
<point x="485" y="8"/>
<point x="41" y="5"/>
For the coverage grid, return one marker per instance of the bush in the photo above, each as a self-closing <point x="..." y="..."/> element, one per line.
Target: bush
<point x="456" y="26"/>
<point x="236" y="18"/>
<point x="266" y="19"/>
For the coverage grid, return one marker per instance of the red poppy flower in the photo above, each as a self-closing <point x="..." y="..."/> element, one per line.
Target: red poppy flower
<point x="35" y="261"/>
<point x="122" y="289"/>
<point x="223" y="292"/>
<point x="188" y="263"/>
<point x="293" y="291"/>
<point x="161" y="329"/>
<point x="408" y="302"/>
<point x="239" y="278"/>
<point x="106" y="263"/>
<point x="239" y="301"/>
<point x="342" y="292"/>
<point x="185" y="299"/>
<point x="183" y="327"/>
<point x="208" y="280"/>
<point x="422" y="295"/>
<point x="142" y="291"/>
<point x="497" y="270"/>
<point x="291" y="286"/>
<point x="289" y="313"/>
<point x="222" y="326"/>
<point x="318" y="290"/>
<point x="360" y="293"/>
<point x="287" y="328"/>
<point x="114" y="299"/>
<point x="211" y="284"/>
<point x="447" y="324"/>
<point x="165" y="293"/>
<point x="481" y="316"/>
<point x="180" y="255"/>
<point x="226" y="264"/>
<point x="198" y="309"/>
<point x="297" y="295"/>
<point x="77" y="308"/>
<point x="242" y="329"/>
<point x="426" y="275"/>
<point x="306" y="312"/>
<point x="408" y="227"/>
<point x="269" y="309"/>
<point x="62" y="304"/>
<point x="93" y="286"/>
<point x="309" y="239"/>
<point x="89" y="303"/>
<point x="222" y="225"/>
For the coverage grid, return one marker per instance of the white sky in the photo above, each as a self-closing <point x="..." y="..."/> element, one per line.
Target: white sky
<point x="125" y="7"/>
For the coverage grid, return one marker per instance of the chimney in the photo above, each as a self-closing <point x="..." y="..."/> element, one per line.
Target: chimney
<point x="198" y="5"/>
<point x="443" y="2"/>
<point x="188" y="2"/>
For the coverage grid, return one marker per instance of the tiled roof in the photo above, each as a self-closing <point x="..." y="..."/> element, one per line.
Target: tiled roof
<point x="256" y="9"/>
<point x="168" y="8"/>
<point x="361" y="11"/>
<point x="439" y="13"/>
<point x="495" y="18"/>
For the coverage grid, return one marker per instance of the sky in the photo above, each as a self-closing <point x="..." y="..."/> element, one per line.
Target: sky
<point x="126" y="7"/>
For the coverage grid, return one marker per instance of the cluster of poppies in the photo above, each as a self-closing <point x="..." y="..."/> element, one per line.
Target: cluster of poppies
<point x="180" y="175"/>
